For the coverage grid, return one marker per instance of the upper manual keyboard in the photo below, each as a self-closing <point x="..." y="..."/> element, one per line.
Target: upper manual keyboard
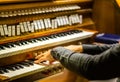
<point x="42" y="42"/>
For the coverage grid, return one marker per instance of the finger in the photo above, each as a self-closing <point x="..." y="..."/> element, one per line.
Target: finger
<point x="39" y="56"/>
<point x="40" y="60"/>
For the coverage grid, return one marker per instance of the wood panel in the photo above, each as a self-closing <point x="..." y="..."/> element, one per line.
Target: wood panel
<point x="117" y="16"/>
<point x="65" y="76"/>
<point x="103" y="15"/>
<point x="41" y="4"/>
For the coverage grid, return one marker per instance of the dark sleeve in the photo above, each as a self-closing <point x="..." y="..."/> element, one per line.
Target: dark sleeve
<point x="95" y="49"/>
<point x="94" y="67"/>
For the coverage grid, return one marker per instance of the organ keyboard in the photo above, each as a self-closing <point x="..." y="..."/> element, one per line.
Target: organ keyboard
<point x="21" y="69"/>
<point x="28" y="28"/>
<point x="42" y="42"/>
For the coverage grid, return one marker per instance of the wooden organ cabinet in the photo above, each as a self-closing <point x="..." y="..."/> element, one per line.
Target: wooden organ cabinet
<point x="30" y="27"/>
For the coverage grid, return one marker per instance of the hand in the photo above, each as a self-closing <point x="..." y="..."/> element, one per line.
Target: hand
<point x="76" y="48"/>
<point x="46" y="56"/>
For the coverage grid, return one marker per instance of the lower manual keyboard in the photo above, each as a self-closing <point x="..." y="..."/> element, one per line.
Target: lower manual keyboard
<point x="20" y="69"/>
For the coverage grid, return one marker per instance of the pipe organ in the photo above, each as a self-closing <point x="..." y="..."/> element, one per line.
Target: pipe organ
<point x="28" y="28"/>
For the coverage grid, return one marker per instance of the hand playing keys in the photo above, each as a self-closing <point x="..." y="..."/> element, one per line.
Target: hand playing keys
<point x="46" y="56"/>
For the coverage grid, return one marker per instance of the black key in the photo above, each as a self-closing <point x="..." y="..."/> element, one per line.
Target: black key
<point x="31" y="41"/>
<point x="5" y="70"/>
<point x="13" y="45"/>
<point x="39" y="39"/>
<point x="71" y="32"/>
<point x="20" y="66"/>
<point x="78" y="31"/>
<point x="59" y="35"/>
<point x="15" y="67"/>
<point x="34" y="40"/>
<point x="25" y="42"/>
<point x="25" y="64"/>
<point x="66" y="34"/>
<point x="12" y="68"/>
<point x="10" y="45"/>
<point x="18" y="43"/>
<point x="2" y="47"/>
<point x="47" y="38"/>
<point x="62" y="34"/>
<point x="2" y="72"/>
<point x="6" y="45"/>
<point x="22" y="42"/>
<point x="54" y="36"/>
<point x="43" y="38"/>
<point x="30" y="62"/>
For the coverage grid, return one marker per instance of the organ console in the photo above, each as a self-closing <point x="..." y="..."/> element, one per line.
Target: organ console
<point x="29" y="27"/>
